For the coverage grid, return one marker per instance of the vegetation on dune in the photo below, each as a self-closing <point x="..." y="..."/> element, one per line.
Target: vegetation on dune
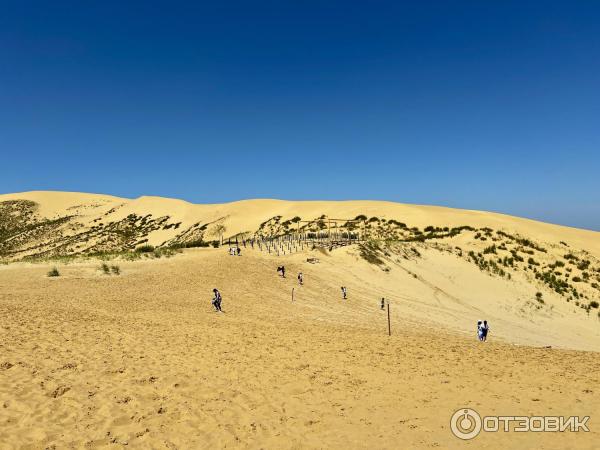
<point x="574" y="275"/>
<point x="369" y="251"/>
<point x="144" y="249"/>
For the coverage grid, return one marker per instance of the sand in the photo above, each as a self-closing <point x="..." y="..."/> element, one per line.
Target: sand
<point x="141" y="360"/>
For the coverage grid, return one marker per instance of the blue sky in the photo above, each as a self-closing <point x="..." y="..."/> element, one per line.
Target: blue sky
<point x="480" y="105"/>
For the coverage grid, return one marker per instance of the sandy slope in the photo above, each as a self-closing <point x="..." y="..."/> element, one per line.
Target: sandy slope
<point x="140" y="359"/>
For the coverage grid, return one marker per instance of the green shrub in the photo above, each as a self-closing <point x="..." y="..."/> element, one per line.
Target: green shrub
<point x="594" y="304"/>
<point x="115" y="270"/>
<point x="583" y="265"/>
<point x="104" y="267"/>
<point x="145" y="249"/>
<point x="54" y="272"/>
<point x="192" y="244"/>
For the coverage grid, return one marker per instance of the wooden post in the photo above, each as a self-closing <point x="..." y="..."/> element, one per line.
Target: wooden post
<point x="292" y="294"/>
<point x="389" y="324"/>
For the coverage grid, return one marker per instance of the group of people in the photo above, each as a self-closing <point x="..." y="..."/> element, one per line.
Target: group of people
<point x="235" y="251"/>
<point x="483" y="327"/>
<point x="482" y="330"/>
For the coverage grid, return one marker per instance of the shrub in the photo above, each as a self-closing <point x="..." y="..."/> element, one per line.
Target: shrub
<point x="145" y="249"/>
<point x="490" y="249"/>
<point x="583" y="265"/>
<point x="54" y="272"/>
<point x="594" y="304"/>
<point x="116" y="270"/>
<point x="197" y="243"/>
<point x="104" y="267"/>
<point x="576" y="280"/>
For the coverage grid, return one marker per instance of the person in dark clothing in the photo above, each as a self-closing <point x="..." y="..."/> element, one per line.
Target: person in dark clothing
<point x="217" y="300"/>
<point x="344" y="294"/>
<point x="383" y="303"/>
<point x="281" y="270"/>
<point x="485" y="328"/>
<point x="300" y="278"/>
<point x="239" y="251"/>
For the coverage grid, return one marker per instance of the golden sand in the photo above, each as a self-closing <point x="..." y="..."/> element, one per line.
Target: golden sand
<point x="140" y="359"/>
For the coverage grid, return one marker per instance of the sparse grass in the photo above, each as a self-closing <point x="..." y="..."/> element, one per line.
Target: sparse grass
<point x="490" y="249"/>
<point x="166" y="252"/>
<point x="54" y="272"/>
<point x="369" y="252"/>
<point x="538" y="297"/>
<point x="107" y="270"/>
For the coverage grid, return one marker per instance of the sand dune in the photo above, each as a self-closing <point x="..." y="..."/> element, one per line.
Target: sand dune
<point x="247" y="215"/>
<point x="140" y="359"/>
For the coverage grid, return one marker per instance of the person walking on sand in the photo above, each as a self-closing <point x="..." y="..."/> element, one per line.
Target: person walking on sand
<point x="344" y="294"/>
<point x="239" y="251"/>
<point x="480" y="330"/>
<point x="485" y="328"/>
<point x="217" y="300"/>
<point x="281" y="269"/>
<point x="300" y="278"/>
<point x="382" y="303"/>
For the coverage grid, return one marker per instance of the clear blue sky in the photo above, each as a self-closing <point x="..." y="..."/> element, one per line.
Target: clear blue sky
<point x="480" y="105"/>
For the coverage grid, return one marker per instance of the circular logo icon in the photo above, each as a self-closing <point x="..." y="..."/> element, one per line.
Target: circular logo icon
<point x="465" y="424"/>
